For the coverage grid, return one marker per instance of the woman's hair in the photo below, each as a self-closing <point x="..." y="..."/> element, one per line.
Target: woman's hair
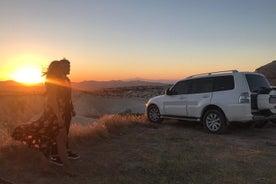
<point x="53" y="73"/>
<point x="64" y="60"/>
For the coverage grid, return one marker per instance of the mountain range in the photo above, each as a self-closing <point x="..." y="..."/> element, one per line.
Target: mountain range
<point x="11" y="87"/>
<point x="94" y="85"/>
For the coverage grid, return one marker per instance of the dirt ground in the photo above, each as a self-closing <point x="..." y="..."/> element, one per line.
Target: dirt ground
<point x="172" y="152"/>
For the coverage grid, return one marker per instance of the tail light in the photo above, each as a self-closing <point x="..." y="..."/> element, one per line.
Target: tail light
<point x="244" y="98"/>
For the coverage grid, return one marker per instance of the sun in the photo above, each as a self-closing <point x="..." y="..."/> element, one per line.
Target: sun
<point x="28" y="75"/>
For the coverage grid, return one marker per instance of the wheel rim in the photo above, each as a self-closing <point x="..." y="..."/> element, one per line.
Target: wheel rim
<point x="154" y="114"/>
<point x="213" y="122"/>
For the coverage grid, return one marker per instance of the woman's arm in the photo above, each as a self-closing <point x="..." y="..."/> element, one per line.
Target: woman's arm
<point x="73" y="112"/>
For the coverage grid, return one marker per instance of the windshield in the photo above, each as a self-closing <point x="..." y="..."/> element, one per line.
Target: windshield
<point x="256" y="82"/>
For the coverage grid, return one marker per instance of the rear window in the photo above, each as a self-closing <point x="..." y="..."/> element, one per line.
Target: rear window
<point x="223" y="83"/>
<point x="256" y="82"/>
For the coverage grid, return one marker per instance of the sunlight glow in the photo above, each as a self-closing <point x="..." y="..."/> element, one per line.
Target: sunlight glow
<point x="28" y="75"/>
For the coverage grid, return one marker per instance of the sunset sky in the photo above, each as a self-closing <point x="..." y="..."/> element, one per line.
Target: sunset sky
<point x="128" y="39"/>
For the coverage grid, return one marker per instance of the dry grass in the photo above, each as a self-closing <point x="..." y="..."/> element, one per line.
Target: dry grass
<point x="106" y="127"/>
<point x="127" y="149"/>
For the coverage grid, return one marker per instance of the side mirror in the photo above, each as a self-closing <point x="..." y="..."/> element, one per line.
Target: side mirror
<point x="168" y="91"/>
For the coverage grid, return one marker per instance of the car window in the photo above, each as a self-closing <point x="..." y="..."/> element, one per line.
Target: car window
<point x="223" y="83"/>
<point x="180" y="87"/>
<point x="256" y="82"/>
<point x="202" y="85"/>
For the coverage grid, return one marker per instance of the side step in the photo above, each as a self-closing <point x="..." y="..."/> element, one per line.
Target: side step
<point x="180" y="118"/>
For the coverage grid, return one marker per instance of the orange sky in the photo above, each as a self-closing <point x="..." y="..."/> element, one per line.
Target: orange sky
<point x="146" y="69"/>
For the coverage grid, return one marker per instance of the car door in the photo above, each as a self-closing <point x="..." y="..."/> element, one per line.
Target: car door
<point x="200" y="95"/>
<point x="175" y="102"/>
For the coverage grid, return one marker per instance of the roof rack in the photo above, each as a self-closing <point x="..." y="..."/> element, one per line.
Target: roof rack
<point x="211" y="73"/>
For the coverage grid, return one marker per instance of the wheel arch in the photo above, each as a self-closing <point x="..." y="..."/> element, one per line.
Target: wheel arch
<point x="155" y="104"/>
<point x="151" y="104"/>
<point x="212" y="107"/>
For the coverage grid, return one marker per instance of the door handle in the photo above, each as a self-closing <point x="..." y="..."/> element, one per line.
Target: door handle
<point x="206" y="96"/>
<point x="182" y="98"/>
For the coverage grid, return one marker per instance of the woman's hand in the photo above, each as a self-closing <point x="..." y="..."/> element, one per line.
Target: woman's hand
<point x="61" y="122"/>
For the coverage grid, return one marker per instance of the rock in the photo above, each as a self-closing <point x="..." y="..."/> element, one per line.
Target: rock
<point x="269" y="70"/>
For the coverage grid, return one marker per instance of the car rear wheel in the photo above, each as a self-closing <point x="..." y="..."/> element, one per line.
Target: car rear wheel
<point x="214" y="121"/>
<point x="153" y="114"/>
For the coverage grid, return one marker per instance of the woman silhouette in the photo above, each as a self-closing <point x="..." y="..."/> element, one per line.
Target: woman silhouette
<point x="50" y="128"/>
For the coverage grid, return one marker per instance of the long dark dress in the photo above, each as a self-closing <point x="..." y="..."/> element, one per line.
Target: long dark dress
<point x="41" y="134"/>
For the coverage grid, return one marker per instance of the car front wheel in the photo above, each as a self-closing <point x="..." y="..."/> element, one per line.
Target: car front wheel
<point x="214" y="121"/>
<point x="153" y="114"/>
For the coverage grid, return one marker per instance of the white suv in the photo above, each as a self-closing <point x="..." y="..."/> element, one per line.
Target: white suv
<point x="216" y="99"/>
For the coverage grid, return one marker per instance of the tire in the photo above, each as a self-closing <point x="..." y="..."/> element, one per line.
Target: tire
<point x="273" y="121"/>
<point x="214" y="121"/>
<point x="153" y="114"/>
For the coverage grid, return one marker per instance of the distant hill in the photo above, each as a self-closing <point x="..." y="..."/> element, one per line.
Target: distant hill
<point x="14" y="88"/>
<point x="95" y="85"/>
<point x="269" y="70"/>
